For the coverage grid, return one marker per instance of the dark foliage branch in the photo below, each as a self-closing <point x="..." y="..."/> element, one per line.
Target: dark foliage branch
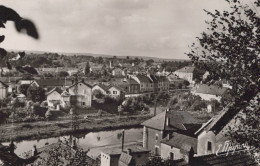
<point x="230" y="49"/>
<point x="22" y="25"/>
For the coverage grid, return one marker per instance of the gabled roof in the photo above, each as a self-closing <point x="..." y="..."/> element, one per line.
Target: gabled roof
<point x="210" y="89"/>
<point x="157" y="122"/>
<point x="218" y="122"/>
<point x="178" y="120"/>
<point x="186" y="69"/>
<point x="181" y="141"/>
<point x="3" y="84"/>
<point x="50" y="82"/>
<point x="83" y="82"/>
<point x="102" y="86"/>
<point x="144" y="78"/>
<point x="55" y="89"/>
<point x="131" y="81"/>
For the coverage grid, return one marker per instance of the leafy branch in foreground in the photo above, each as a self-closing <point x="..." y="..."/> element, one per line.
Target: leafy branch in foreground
<point x="229" y="50"/>
<point x="23" y="26"/>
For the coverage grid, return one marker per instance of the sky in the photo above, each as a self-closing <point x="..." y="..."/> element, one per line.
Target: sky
<point x="154" y="28"/>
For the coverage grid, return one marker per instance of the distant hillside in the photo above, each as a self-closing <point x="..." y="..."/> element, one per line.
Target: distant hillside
<point x="103" y="55"/>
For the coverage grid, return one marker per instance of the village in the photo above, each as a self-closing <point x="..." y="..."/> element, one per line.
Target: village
<point x="170" y="131"/>
<point x="129" y="83"/>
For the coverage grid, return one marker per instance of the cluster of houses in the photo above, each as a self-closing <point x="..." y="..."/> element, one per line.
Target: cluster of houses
<point x="179" y="137"/>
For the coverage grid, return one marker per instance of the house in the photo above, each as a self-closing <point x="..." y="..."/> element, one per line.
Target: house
<point x="163" y="125"/>
<point x="209" y="92"/>
<point x="3" y="90"/>
<point x="96" y="69"/>
<point x="161" y="83"/>
<point x="11" y="82"/>
<point x="133" y="86"/>
<point x="134" y="154"/>
<point x="146" y="84"/>
<point x="81" y="93"/>
<point x="211" y="136"/>
<point x="115" y="91"/>
<point x="54" y="98"/>
<point x="185" y="73"/>
<point x="101" y="87"/>
<point x="117" y="72"/>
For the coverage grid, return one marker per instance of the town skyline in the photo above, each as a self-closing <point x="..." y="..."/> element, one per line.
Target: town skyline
<point x="129" y="28"/>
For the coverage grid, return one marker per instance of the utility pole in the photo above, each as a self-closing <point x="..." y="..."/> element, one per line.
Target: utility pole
<point x="123" y="139"/>
<point x="155" y="104"/>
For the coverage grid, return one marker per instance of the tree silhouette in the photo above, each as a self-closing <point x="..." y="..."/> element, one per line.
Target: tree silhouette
<point x="23" y="26"/>
<point x="229" y="49"/>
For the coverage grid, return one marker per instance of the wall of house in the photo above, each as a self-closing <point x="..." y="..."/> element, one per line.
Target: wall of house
<point x="84" y="93"/>
<point x="208" y="96"/>
<point x="109" y="160"/>
<point x="53" y="96"/>
<point x="166" y="150"/>
<point x="184" y="75"/>
<point x="114" y="92"/>
<point x="3" y="92"/>
<point x="203" y="139"/>
<point x="151" y="141"/>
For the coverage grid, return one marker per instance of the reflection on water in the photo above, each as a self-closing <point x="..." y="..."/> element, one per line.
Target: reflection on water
<point x="89" y="140"/>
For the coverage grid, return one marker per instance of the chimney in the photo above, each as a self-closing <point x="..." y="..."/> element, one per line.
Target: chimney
<point x="129" y="151"/>
<point x="168" y="136"/>
<point x="34" y="151"/>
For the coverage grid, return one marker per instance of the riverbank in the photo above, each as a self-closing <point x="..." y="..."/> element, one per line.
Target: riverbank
<point x="40" y="130"/>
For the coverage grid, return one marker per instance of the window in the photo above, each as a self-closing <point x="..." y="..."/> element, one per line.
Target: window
<point x="209" y="146"/>
<point x="156" y="137"/>
<point x="114" y="92"/>
<point x="171" y="156"/>
<point x="83" y="103"/>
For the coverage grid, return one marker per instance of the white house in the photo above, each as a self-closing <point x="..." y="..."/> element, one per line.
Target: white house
<point x="54" y="98"/>
<point x="115" y="91"/>
<point x="101" y="87"/>
<point x="81" y="93"/>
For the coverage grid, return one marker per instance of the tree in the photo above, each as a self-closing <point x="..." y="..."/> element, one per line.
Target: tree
<point x="63" y="74"/>
<point x="23" y="89"/>
<point x="230" y="50"/>
<point x="87" y="68"/>
<point x="98" y="94"/>
<point x="157" y="161"/>
<point x="21" y="25"/>
<point x="36" y="94"/>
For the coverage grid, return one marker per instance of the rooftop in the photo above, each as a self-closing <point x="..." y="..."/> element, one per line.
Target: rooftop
<point x="187" y="69"/>
<point x="182" y="142"/>
<point x="210" y="89"/>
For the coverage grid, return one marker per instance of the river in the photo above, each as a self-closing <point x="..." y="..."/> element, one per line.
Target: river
<point x="88" y="140"/>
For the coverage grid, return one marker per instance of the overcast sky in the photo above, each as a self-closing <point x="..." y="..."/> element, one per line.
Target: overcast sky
<point x="157" y="28"/>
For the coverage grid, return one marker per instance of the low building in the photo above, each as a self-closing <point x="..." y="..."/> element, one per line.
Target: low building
<point x="3" y="90"/>
<point x="54" y="98"/>
<point x="115" y="91"/>
<point x="101" y="87"/>
<point x="209" y="92"/>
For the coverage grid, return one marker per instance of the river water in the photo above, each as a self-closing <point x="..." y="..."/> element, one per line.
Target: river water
<point x="88" y="140"/>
